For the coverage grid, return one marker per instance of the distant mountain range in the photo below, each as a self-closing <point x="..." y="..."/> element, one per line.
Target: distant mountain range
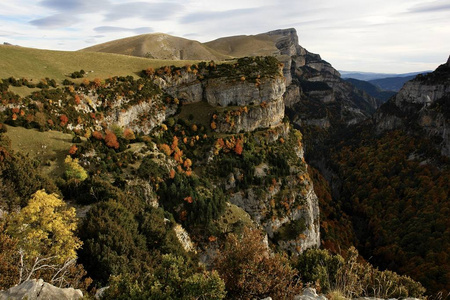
<point x="383" y="81"/>
<point x="368" y="76"/>
<point x="372" y="89"/>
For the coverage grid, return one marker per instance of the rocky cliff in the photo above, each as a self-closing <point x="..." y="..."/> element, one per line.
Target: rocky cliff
<point x="287" y="208"/>
<point x="422" y="104"/>
<point x="319" y="85"/>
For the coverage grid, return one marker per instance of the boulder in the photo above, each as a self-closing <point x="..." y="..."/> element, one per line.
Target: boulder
<point x="39" y="290"/>
<point x="309" y="294"/>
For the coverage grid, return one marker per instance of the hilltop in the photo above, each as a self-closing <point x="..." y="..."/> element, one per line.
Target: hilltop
<point x="159" y="46"/>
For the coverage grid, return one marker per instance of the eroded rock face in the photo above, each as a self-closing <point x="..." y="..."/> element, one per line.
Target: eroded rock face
<point x="220" y="92"/>
<point x="258" y="116"/>
<point x="38" y="289"/>
<point x="318" y="81"/>
<point x="306" y="210"/>
<point x="290" y="202"/>
<point x="423" y="102"/>
<point x="185" y="86"/>
<point x="417" y="92"/>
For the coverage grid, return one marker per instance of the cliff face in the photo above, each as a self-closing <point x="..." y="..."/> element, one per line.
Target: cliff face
<point x="287" y="207"/>
<point x="422" y="104"/>
<point x="319" y="85"/>
<point x="247" y="97"/>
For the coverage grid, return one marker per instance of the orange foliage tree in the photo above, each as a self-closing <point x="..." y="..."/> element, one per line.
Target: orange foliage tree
<point x="111" y="140"/>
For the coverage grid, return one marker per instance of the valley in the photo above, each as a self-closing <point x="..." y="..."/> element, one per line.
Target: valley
<point x="244" y="167"/>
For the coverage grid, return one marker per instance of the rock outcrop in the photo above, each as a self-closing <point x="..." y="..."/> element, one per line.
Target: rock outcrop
<point x="310" y="294"/>
<point x="320" y="85"/>
<point x="423" y="103"/>
<point x="38" y="289"/>
<point x="288" y="209"/>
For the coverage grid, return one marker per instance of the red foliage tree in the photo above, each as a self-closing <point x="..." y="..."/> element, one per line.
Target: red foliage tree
<point x="238" y="148"/>
<point x="73" y="150"/>
<point x="111" y="140"/>
<point x="64" y="119"/>
<point x="97" y="135"/>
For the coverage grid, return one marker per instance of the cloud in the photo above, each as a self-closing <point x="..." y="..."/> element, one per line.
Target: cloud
<point x="152" y="11"/>
<point x="436" y="6"/>
<point x="217" y="15"/>
<point x="55" y="21"/>
<point x="4" y="33"/>
<point x="109" y="29"/>
<point x="76" y="6"/>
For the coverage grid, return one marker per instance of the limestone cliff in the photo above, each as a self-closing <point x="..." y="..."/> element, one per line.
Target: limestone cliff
<point x="319" y="85"/>
<point x="422" y="104"/>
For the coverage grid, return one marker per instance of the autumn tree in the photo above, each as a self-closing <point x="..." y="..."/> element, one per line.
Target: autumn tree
<point x="111" y="140"/>
<point x="73" y="149"/>
<point x="63" y="120"/>
<point x="250" y="271"/>
<point x="128" y="134"/>
<point x="74" y="170"/>
<point x="46" y="242"/>
<point x="8" y="254"/>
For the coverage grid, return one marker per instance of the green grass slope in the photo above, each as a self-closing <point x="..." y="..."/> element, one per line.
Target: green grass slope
<point x="50" y="147"/>
<point x="246" y="45"/>
<point x="36" y="64"/>
<point x="159" y="46"/>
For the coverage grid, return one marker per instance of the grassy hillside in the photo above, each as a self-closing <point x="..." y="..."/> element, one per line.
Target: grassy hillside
<point x="243" y="45"/>
<point x="159" y="46"/>
<point x="50" y="147"/>
<point x="36" y="64"/>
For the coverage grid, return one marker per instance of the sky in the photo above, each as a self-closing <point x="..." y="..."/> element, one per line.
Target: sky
<point x="384" y="36"/>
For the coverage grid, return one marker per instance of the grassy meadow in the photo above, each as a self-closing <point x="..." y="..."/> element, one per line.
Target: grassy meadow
<point x="37" y="64"/>
<point x="49" y="147"/>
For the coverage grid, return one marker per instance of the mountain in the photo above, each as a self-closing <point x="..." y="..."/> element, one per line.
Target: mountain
<point x="367" y="76"/>
<point x="371" y="89"/>
<point x="159" y="46"/>
<point x="392" y="83"/>
<point x="306" y="73"/>
<point x="311" y="81"/>
<point x="422" y="104"/>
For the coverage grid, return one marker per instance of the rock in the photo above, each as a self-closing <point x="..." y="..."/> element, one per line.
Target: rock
<point x="420" y="104"/>
<point x="142" y="189"/>
<point x="38" y="289"/>
<point x="310" y="294"/>
<point x="184" y="238"/>
<point x="220" y="92"/>
<point x="304" y="208"/>
<point x="319" y="81"/>
<point x="100" y="292"/>
<point x="259" y="116"/>
<point x="291" y="96"/>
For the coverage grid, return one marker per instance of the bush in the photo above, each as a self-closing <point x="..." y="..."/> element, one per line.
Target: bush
<point x="249" y="271"/>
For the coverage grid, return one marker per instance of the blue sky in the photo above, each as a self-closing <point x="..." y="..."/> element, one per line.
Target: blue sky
<point x="390" y="36"/>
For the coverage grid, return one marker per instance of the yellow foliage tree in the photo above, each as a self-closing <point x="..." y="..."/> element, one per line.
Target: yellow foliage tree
<point x="44" y="230"/>
<point x="74" y="170"/>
